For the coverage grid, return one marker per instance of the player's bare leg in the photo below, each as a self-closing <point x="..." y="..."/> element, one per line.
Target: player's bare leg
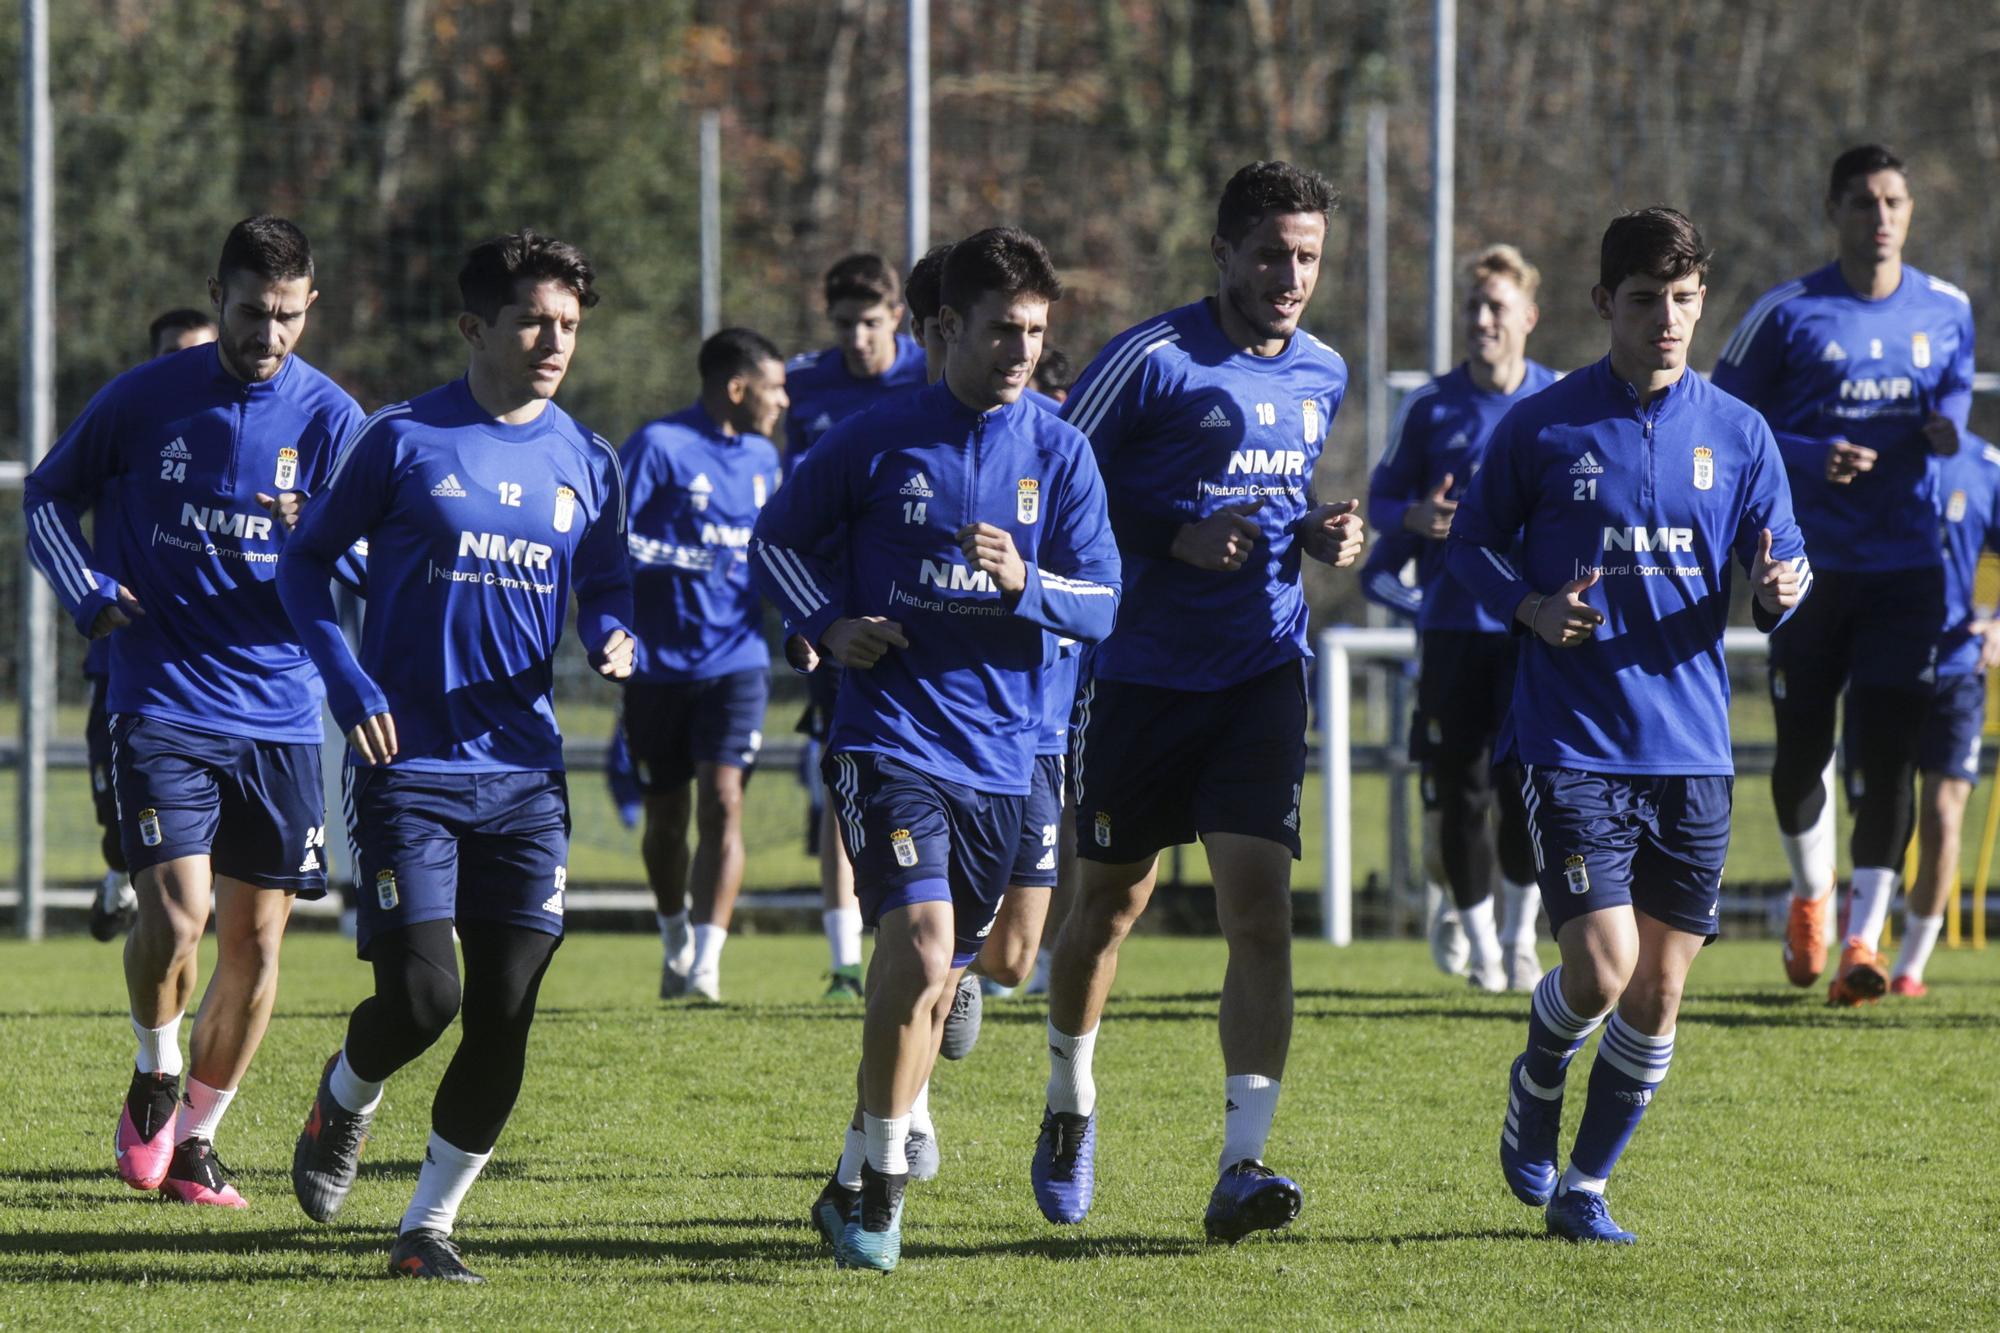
<point x="716" y="874"/>
<point x="840" y="910"/>
<point x="161" y="960"/>
<point x="1008" y="956"/>
<point x="1941" y="804"/>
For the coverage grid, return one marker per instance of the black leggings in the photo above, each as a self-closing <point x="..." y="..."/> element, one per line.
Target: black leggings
<point x="1468" y="787"/>
<point x="1882" y="726"/>
<point x="417" y="994"/>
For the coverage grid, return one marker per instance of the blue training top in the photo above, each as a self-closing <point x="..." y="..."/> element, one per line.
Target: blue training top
<point x="824" y="393"/>
<point x="477" y="532"/>
<point x="1657" y="498"/>
<point x="1969" y="522"/>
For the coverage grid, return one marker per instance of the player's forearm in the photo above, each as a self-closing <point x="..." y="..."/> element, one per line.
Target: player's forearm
<point x="1074" y="606"/>
<point x="59" y="549"/>
<point x="1488" y="576"/>
<point x="799" y="585"/>
<point x="305" y="590"/>
<point x="603" y="610"/>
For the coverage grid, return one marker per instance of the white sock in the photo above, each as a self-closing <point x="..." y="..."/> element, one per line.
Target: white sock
<point x="708" y="941"/>
<point x="920" y="1112"/>
<point x="1520" y="905"/>
<point x="852" y="1150"/>
<point x="1249" y="1102"/>
<point x="354" y="1093"/>
<point x="1573" y="1179"/>
<point x="447" y="1174"/>
<point x="1810" y="854"/>
<point x="1868" y="903"/>
<point x="1477" y="921"/>
<point x="673" y="929"/>
<point x="887" y="1137"/>
<point x="1920" y="935"/>
<point x="1071" y="1088"/>
<point x="843" y="935"/>
<point x="203" y="1110"/>
<point x="159" y="1048"/>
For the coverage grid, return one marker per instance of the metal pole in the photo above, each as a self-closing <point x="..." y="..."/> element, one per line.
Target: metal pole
<point x="1444" y="157"/>
<point x="1336" y="885"/>
<point x="38" y="410"/>
<point x="918" y="215"/>
<point x="711" y="222"/>
<point x="1378" y="282"/>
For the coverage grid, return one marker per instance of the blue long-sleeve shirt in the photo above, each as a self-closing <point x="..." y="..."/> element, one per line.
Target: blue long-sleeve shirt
<point x="964" y="702"/>
<point x="1969" y="522"/>
<point x="825" y="393"/>
<point x="477" y="532"/>
<point x="1382" y="573"/>
<point x="1442" y="428"/>
<point x="693" y="493"/>
<point x="171" y="455"/>
<point x="1823" y="363"/>
<point x="1183" y="425"/>
<point x="1659" y="498"/>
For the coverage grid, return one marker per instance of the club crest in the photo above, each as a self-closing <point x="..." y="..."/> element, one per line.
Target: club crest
<point x="565" y="508"/>
<point x="288" y="469"/>
<point x="1920" y="350"/>
<point x="1704" y="468"/>
<point x="1028" y="500"/>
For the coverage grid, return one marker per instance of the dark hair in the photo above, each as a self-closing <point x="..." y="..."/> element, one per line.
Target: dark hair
<point x="866" y="278"/>
<point x="495" y="269"/>
<point x="1865" y="160"/>
<point x="999" y="259"/>
<point x="176" y="321"/>
<point x="1053" y="373"/>
<point x="732" y="352"/>
<point x="1659" y="242"/>
<point x="923" y="292"/>
<point x="270" y="247"/>
<point x="1264" y="188"/>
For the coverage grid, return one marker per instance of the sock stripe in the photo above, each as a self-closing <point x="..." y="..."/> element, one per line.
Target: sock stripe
<point x="1555" y="1013"/>
<point x="1637" y="1055"/>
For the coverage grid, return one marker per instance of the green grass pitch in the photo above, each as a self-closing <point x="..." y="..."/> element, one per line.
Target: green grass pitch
<point x="1801" y="1167"/>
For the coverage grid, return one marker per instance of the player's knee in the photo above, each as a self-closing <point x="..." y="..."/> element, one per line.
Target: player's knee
<point x="1007" y="961"/>
<point x="1652" y="1002"/>
<point x="719" y="811"/>
<point x="1260" y="925"/>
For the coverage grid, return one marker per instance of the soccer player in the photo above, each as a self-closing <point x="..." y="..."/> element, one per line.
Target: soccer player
<point x="484" y="506"/>
<point x="1053" y="375"/>
<point x="214" y="709"/>
<point x="1603" y="522"/>
<point x="974" y="525"/>
<point x="870" y="361"/>
<point x="1863" y="369"/>
<point x="1948" y="742"/>
<point x="116" y="905"/>
<point x="1206" y="423"/>
<point x="1466" y="675"/>
<point x="694" y="708"/>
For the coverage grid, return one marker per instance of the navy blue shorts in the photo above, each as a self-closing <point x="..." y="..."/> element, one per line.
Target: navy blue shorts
<point x="1041" y="827"/>
<point x="670" y="729"/>
<point x="1868" y="627"/>
<point x="1948" y="742"/>
<point x="1156" y="766"/>
<point x="97" y="745"/>
<point x="418" y="836"/>
<point x="915" y="838"/>
<point x="256" y="809"/>
<point x="1629" y="840"/>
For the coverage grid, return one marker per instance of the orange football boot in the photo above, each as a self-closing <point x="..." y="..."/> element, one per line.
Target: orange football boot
<point x="1861" y="980"/>
<point x="1909" y="986"/>
<point x="1805" y="939"/>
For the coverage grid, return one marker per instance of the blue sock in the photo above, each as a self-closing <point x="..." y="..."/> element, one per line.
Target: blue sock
<point x="1630" y="1065"/>
<point x="1556" y="1033"/>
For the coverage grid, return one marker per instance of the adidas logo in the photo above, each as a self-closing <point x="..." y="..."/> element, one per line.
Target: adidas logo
<point x="177" y="449"/>
<point x="311" y="862"/>
<point x="1048" y="861"/>
<point x="1216" y="418"/>
<point x="1229" y="1104"/>
<point x="553" y="905"/>
<point x="918" y="486"/>
<point x="701" y="485"/>
<point x="824" y="421"/>
<point x="449" y="487"/>
<point x="1587" y="466"/>
<point x="1834" y="352"/>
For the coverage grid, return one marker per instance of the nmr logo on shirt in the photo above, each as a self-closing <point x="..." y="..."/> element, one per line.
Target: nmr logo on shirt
<point x="1649" y="539"/>
<point x="494" y="546"/>
<point x="1886" y="389"/>
<point x="1287" y="462"/>
<point x="955" y="578"/>
<point x="250" y="527"/>
<point x="725" y="534"/>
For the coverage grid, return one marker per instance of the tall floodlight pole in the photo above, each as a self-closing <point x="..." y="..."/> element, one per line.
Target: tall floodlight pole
<point x="38" y="410"/>
<point x="1378" y="281"/>
<point x="1444" y="158"/>
<point x="918" y="131"/>
<point x="711" y="222"/>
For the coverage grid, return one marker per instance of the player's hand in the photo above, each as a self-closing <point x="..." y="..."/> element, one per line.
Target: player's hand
<point x="1431" y="516"/>
<point x="1563" y="619"/>
<point x="375" y="739"/>
<point x="1941" y="433"/>
<point x="116" y="615"/>
<point x="803" y="657"/>
<point x="1989" y="642"/>
<point x="285" y="506"/>
<point x="992" y="550"/>
<point x="614" y="660"/>
<point x="1776" y="582"/>
<point x="859" y="642"/>
<point x="1222" y="541"/>
<point x="1845" y="461"/>
<point x="1333" y="533"/>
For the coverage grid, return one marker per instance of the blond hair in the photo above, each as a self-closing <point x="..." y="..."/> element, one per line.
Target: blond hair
<point x="1504" y="261"/>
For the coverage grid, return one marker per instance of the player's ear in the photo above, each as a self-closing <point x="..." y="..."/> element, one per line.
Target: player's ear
<point x="469" y="328"/>
<point x="1529" y="318"/>
<point x="215" y="294"/>
<point x="739" y="389"/>
<point x="1600" y="298"/>
<point x="1218" y="250"/>
<point x="949" y="324"/>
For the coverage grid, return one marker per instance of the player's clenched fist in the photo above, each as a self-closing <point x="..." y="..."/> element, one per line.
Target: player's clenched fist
<point x="375" y="739"/>
<point x="1777" y="582"/>
<point x="1333" y="533"/>
<point x="1845" y="461"/>
<point x="991" y="550"/>
<point x="284" y="506"/>
<point x="1222" y="541"/>
<point x="862" y="641"/>
<point x="1431" y="516"/>
<point x="614" y="660"/>
<point x="1562" y="619"/>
